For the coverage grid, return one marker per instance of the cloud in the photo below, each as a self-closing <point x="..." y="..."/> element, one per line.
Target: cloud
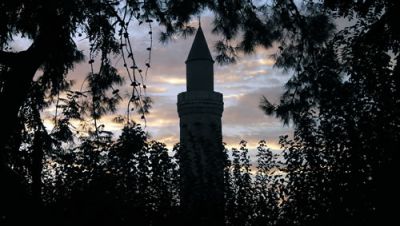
<point x="170" y="80"/>
<point x="243" y="120"/>
<point x="156" y="89"/>
<point x="246" y="110"/>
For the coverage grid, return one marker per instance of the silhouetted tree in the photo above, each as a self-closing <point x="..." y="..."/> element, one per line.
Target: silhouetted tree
<point x="343" y="101"/>
<point x="240" y="200"/>
<point x="267" y="187"/>
<point x="126" y="181"/>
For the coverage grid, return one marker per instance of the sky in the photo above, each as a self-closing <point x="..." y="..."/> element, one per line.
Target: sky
<point x="242" y="84"/>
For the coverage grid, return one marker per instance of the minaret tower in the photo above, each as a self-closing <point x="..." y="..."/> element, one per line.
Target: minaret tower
<point x="201" y="151"/>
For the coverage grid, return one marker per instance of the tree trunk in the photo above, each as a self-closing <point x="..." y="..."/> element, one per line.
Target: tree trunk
<point x="13" y="195"/>
<point x="20" y="69"/>
<point x="18" y="72"/>
<point x="16" y="85"/>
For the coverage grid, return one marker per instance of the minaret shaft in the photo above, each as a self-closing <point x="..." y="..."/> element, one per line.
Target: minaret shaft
<point x="199" y="76"/>
<point x="201" y="153"/>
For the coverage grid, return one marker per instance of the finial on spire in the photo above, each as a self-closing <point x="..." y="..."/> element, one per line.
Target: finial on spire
<point x="199" y="18"/>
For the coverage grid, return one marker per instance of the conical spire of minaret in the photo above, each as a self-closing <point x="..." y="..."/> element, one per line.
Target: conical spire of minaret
<point x="199" y="65"/>
<point x="199" y="50"/>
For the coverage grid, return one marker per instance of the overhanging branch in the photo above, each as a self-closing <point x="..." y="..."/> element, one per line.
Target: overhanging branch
<point x="9" y="58"/>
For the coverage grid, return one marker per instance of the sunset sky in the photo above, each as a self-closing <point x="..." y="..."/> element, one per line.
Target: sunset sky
<point x="242" y="85"/>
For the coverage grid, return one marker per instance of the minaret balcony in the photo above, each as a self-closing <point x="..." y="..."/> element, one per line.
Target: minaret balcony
<point x="200" y="102"/>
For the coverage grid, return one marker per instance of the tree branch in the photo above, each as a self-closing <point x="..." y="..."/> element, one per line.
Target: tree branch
<point x="9" y="58"/>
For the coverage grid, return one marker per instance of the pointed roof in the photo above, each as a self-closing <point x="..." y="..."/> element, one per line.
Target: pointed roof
<point x="199" y="50"/>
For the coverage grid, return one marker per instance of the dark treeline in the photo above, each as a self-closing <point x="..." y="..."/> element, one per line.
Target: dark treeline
<point x="134" y="181"/>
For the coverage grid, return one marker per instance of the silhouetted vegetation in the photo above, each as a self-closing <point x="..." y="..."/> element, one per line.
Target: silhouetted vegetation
<point x="134" y="181"/>
<point x="343" y="100"/>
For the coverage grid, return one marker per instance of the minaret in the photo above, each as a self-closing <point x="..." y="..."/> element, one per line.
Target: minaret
<point x="201" y="154"/>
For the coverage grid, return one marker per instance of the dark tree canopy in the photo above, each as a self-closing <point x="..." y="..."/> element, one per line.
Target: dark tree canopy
<point x="343" y="100"/>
